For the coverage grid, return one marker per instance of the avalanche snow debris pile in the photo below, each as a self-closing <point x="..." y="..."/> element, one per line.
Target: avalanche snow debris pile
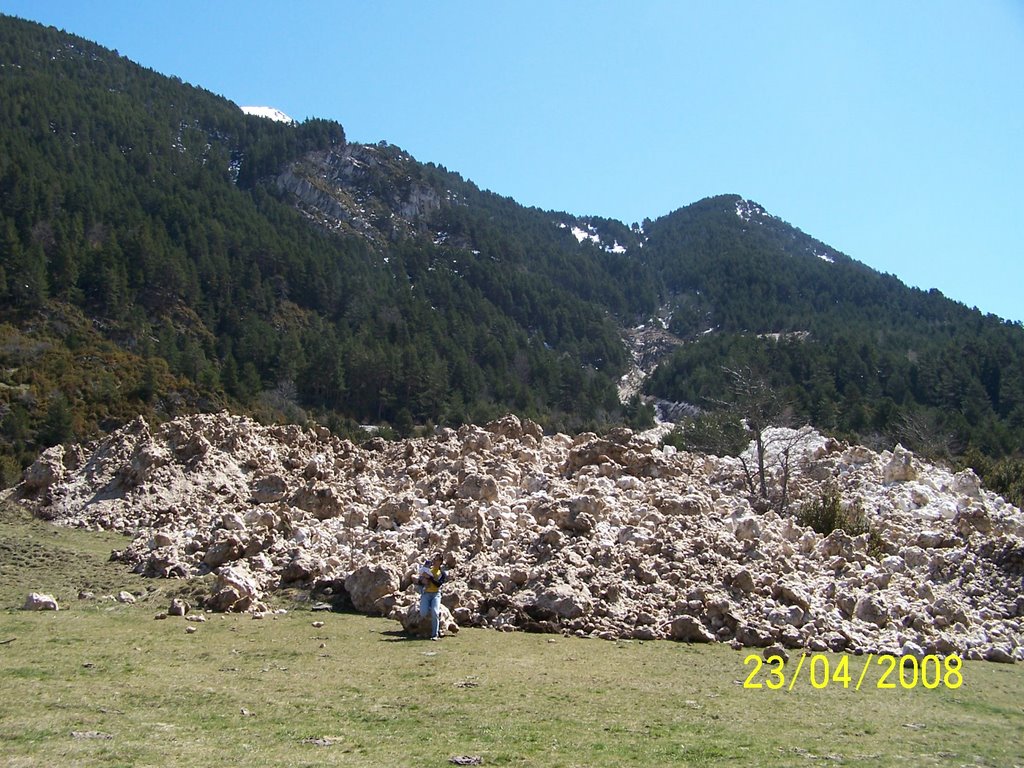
<point x="607" y="536"/>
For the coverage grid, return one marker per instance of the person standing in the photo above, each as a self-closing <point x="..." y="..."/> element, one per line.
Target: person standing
<point x="432" y="575"/>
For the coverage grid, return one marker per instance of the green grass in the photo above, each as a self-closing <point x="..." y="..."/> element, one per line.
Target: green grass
<point x="104" y="684"/>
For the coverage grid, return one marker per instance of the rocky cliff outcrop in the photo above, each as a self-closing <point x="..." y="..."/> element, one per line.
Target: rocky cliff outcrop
<point x="609" y="536"/>
<point x="369" y="190"/>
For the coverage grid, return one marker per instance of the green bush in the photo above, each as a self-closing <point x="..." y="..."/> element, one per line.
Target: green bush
<point x="827" y="513"/>
<point x="1004" y="476"/>
<point x="10" y="471"/>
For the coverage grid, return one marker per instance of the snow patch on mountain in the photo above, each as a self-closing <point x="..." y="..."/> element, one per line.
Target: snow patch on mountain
<point x="268" y="112"/>
<point x="748" y="209"/>
<point x="591" y="234"/>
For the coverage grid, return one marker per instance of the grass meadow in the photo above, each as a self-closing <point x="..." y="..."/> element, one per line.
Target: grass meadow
<point x="101" y="683"/>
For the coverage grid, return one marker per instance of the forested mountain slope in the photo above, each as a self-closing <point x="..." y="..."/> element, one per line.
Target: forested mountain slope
<point x="846" y="347"/>
<point x="163" y="252"/>
<point x="145" y="212"/>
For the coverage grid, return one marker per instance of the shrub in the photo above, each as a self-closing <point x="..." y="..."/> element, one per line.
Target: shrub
<point x="827" y="513"/>
<point x="1004" y="476"/>
<point x="10" y="471"/>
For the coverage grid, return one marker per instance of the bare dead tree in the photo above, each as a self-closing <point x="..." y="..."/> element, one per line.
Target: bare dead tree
<point x="760" y="407"/>
<point x="745" y="418"/>
<point x="784" y="449"/>
<point x="922" y="433"/>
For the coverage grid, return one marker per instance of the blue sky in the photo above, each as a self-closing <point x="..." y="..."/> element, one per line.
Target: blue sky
<point x="892" y="131"/>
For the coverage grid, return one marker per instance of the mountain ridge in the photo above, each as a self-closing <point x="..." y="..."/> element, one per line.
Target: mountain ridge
<point x="168" y="222"/>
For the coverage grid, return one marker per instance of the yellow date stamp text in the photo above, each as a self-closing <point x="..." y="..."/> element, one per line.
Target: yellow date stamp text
<point x="884" y="672"/>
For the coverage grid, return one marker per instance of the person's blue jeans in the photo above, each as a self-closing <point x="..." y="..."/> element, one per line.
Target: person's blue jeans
<point x="430" y="602"/>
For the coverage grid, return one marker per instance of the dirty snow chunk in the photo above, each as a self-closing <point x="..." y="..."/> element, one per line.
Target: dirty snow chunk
<point x="562" y="601"/>
<point x="419" y="625"/>
<point x="236" y="589"/>
<point x="748" y="529"/>
<point x="179" y="607"/>
<point x="46" y="471"/>
<point x="900" y="468"/>
<point x="688" y="630"/>
<point x="321" y="742"/>
<point x="37" y="601"/>
<point x="370" y="583"/>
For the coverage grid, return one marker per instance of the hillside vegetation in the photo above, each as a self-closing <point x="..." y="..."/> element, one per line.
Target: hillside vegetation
<point x="161" y="253"/>
<point x="152" y="208"/>
<point x="847" y="348"/>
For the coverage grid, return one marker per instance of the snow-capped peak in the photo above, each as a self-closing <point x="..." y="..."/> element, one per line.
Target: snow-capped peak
<point x="268" y="112"/>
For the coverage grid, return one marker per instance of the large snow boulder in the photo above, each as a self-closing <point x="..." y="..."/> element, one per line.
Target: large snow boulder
<point x="420" y="626"/>
<point x="36" y="601"/>
<point x="369" y="584"/>
<point x="236" y="589"/>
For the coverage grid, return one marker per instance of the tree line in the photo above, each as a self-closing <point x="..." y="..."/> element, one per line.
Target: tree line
<point x="150" y="261"/>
